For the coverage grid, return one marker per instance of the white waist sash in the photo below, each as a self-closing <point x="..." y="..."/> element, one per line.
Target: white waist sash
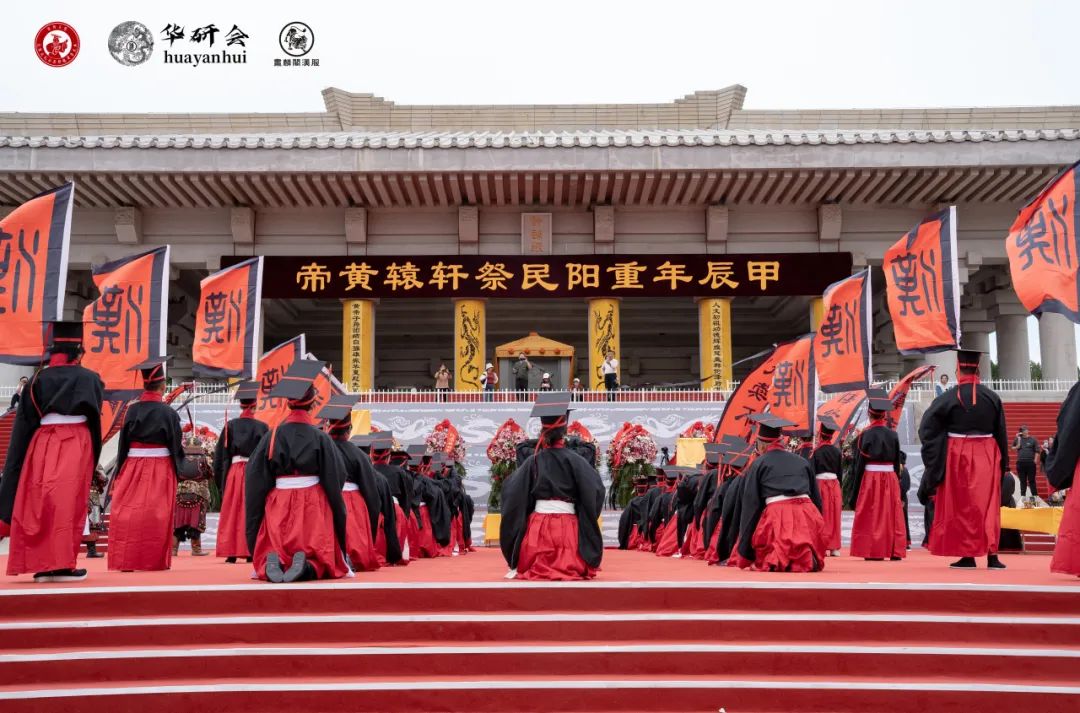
<point x="826" y="476"/>
<point x="148" y="453"/>
<point x="295" y="482"/>
<point x="555" y="507"/>
<point x="971" y="435"/>
<point x="350" y="488"/>
<point x="239" y="459"/>
<point x="880" y="468"/>
<point x="782" y="498"/>
<point x="60" y="419"/>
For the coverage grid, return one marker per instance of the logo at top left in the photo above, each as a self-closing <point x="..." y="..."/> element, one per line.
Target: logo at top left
<point x="131" y="43"/>
<point x="57" y="44"/>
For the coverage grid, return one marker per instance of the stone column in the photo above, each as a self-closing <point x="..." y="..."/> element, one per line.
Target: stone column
<point x="714" y="330"/>
<point x="1014" y="358"/>
<point x="817" y="311"/>
<point x="603" y="337"/>
<point x="977" y="336"/>
<point x="358" y="345"/>
<point x="1057" y="345"/>
<point x="470" y="343"/>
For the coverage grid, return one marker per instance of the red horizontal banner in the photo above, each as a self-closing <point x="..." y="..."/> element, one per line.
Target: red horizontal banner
<point x="665" y="275"/>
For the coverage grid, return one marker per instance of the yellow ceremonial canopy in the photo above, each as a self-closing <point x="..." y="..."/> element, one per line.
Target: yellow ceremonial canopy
<point x="534" y="345"/>
<point x="546" y="355"/>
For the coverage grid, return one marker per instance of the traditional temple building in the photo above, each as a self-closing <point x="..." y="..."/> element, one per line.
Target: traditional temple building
<point x="683" y="235"/>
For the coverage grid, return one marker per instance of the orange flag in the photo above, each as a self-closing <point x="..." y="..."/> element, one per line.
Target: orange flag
<point x="227" y="322"/>
<point x="272" y="366"/>
<point x="1044" y="248"/>
<point x="842" y="346"/>
<point x="794" y="391"/>
<point x="841" y="408"/>
<point x="751" y="396"/>
<point x="34" y="242"/>
<point x="922" y="282"/>
<point x="900" y="391"/>
<point x="126" y="325"/>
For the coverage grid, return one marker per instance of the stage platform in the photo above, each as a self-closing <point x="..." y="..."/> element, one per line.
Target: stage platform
<point x="649" y="634"/>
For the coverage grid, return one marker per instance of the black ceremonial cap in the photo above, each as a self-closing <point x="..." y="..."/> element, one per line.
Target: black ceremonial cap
<point x="247" y="391"/>
<point x="879" y="400"/>
<point x="734" y="443"/>
<point x="736" y="460"/>
<point x="416" y="449"/>
<point x="382" y="441"/>
<point x="714" y="452"/>
<point x="828" y="424"/>
<point x="770" y="426"/>
<point x="363" y="440"/>
<point x="968" y="357"/>
<point x="297" y="380"/>
<point x="153" y="369"/>
<point x="338" y="408"/>
<point x="552" y="406"/>
<point x="65" y="331"/>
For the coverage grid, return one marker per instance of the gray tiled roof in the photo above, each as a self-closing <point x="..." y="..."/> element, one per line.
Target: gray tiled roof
<point x="539" y="139"/>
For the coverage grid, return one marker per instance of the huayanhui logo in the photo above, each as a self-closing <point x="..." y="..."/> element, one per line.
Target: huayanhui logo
<point x="197" y="45"/>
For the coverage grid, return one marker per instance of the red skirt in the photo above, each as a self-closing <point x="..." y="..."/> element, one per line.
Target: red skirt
<point x="231" y="533"/>
<point x="967" y="508"/>
<point x="402" y="527"/>
<point x="456" y="538"/>
<point x="658" y="538"/>
<point x="790" y="537"/>
<point x="141" y="518"/>
<point x="878" y="531"/>
<point x="668" y="545"/>
<point x="299" y="520"/>
<point x="634" y="543"/>
<point x="549" y="550"/>
<point x="458" y="535"/>
<point x="358" y="541"/>
<point x="712" y="552"/>
<point x="693" y="545"/>
<point x="424" y="538"/>
<point x="832" y="507"/>
<point x="51" y="501"/>
<point x="1067" y="550"/>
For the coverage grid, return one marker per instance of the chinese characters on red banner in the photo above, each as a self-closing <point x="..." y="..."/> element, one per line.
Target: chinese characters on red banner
<point x="842" y="344"/>
<point x="227" y="322"/>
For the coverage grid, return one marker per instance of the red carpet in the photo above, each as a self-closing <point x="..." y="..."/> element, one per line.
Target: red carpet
<point x="451" y="634"/>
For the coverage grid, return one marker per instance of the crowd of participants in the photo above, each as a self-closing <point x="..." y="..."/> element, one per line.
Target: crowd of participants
<point x="308" y="500"/>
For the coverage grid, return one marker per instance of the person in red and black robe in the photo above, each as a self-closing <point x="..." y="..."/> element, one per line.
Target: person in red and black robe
<point x="461" y="508"/>
<point x="656" y="486"/>
<point x="430" y="527"/>
<point x="358" y="490"/>
<point x="669" y="544"/>
<point x="1061" y="465"/>
<point x="54" y="447"/>
<point x="399" y="490"/>
<point x="965" y="450"/>
<point x="629" y="535"/>
<point x="296" y="516"/>
<point x="692" y="545"/>
<point x="550" y="507"/>
<point x="877" y="532"/>
<point x="144" y="488"/>
<point x="238" y="441"/>
<point x="780" y="524"/>
<point x="826" y="460"/>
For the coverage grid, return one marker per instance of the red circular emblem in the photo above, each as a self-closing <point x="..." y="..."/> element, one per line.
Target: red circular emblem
<point x="57" y="44"/>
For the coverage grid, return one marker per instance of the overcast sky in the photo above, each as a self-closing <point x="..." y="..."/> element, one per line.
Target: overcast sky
<point x="789" y="54"/>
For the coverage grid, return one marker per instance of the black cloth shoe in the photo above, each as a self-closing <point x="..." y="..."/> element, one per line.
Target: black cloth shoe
<point x="273" y="568"/>
<point x="296" y="570"/>
<point x="248" y="560"/>
<point x="964" y="563"/>
<point x="61" y="575"/>
<point x="992" y="562"/>
<point x="91" y="551"/>
<point x="230" y="560"/>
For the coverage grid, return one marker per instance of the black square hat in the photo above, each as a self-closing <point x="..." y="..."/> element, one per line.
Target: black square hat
<point x="553" y="405"/>
<point x="736" y="460"/>
<point x="879" y="400"/>
<point x="246" y="391"/>
<point x="735" y="443"/>
<point x="714" y="452"/>
<point x="382" y="440"/>
<point x="363" y="440"/>
<point x="65" y="331"/>
<point x="297" y="380"/>
<point x="769" y="426"/>
<point x="416" y="449"/>
<point x="969" y="358"/>
<point x="826" y="423"/>
<point x="153" y="369"/>
<point x="338" y="407"/>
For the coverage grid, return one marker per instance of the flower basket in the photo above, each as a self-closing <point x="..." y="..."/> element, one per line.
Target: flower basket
<point x="444" y="438"/>
<point x="578" y="430"/>
<point x="502" y="452"/>
<point x="630" y="454"/>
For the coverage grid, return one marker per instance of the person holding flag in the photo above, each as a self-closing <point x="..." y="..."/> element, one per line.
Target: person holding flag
<point x="878" y="530"/>
<point x="1061" y="467"/>
<point x="296" y="515"/>
<point x="826" y="460"/>
<point x="238" y="440"/>
<point x="144" y="487"/>
<point x="55" y="444"/>
<point x="965" y="451"/>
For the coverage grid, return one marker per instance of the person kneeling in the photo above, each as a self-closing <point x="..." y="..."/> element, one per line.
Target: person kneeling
<point x="780" y="523"/>
<point x="550" y="507"/>
<point x="296" y="517"/>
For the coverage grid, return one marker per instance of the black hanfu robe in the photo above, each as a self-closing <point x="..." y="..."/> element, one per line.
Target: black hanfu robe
<point x="299" y="449"/>
<point x="630" y="517"/>
<point x="661" y="512"/>
<point x="152" y="423"/>
<point x="428" y="492"/>
<point x="706" y="490"/>
<point x="876" y="444"/>
<point x="827" y="458"/>
<point x="401" y="484"/>
<point x="553" y="474"/>
<point x="645" y="519"/>
<point x="1061" y="465"/>
<point x="775" y="472"/>
<point x="947" y="414"/>
<point x="238" y="440"/>
<point x="685" y="496"/>
<point x="359" y="470"/>
<point x="68" y="390"/>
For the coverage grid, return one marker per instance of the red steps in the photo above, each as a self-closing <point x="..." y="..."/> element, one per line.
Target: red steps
<point x="766" y="645"/>
<point x="1041" y="419"/>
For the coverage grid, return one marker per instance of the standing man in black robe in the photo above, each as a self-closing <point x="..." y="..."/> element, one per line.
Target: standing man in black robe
<point x="877" y="532"/>
<point x="780" y="524"/>
<point x="1061" y="465"/>
<point x="238" y="441"/>
<point x="550" y="508"/>
<point x="54" y="447"/>
<point x="965" y="450"/>
<point x="295" y="511"/>
<point x="826" y="460"/>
